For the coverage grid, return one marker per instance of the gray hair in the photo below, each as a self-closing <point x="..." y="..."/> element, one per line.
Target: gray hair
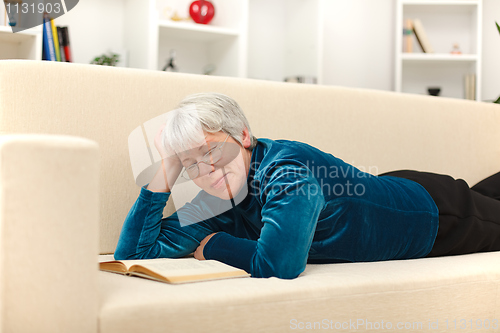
<point x="209" y="112"/>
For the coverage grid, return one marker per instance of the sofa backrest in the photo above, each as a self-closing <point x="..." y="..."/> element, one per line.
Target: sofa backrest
<point x="375" y="130"/>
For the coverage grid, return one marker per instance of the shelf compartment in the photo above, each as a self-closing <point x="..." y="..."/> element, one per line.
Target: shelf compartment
<point x="449" y="75"/>
<point x="446" y="23"/>
<point x="195" y="50"/>
<point x="20" y="45"/>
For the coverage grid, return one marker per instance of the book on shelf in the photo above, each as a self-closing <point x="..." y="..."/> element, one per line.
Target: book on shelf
<point x="61" y="46"/>
<point x="49" y="52"/>
<point x="66" y="45"/>
<point x="55" y="46"/>
<point x="56" y="40"/>
<point x="408" y="36"/>
<point x="174" y="271"/>
<point x="421" y="36"/>
<point x="470" y="86"/>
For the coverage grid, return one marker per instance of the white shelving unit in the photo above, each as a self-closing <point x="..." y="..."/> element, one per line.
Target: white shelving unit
<point x="446" y="22"/>
<point x="25" y="44"/>
<point x="222" y="43"/>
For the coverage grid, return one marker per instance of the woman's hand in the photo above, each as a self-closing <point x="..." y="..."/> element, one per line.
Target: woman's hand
<point x="164" y="151"/>
<point x="170" y="166"/>
<point x="198" y="254"/>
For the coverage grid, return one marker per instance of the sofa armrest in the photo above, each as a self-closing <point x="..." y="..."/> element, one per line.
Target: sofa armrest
<point x="48" y="234"/>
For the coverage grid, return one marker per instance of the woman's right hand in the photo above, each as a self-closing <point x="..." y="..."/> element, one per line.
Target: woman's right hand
<point x="170" y="166"/>
<point x="164" y="151"/>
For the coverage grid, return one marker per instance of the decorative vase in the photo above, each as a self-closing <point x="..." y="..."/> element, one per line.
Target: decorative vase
<point x="434" y="91"/>
<point x="202" y="11"/>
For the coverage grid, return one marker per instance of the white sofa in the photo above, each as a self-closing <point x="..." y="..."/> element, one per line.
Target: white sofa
<point x="66" y="185"/>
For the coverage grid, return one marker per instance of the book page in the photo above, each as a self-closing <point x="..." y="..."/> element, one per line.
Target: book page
<point x="126" y="263"/>
<point x="185" y="266"/>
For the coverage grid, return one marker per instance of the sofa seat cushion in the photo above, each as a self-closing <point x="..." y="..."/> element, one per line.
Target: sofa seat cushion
<point x="363" y="296"/>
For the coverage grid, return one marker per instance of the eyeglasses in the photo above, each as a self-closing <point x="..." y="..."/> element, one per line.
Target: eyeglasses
<point x="210" y="158"/>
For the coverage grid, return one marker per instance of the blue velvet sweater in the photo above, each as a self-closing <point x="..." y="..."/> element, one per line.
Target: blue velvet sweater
<point x="303" y="205"/>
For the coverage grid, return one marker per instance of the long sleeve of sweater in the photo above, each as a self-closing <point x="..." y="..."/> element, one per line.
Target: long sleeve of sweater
<point x="145" y="234"/>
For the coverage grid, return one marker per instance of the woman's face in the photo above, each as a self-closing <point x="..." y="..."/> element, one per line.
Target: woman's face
<point x="227" y="176"/>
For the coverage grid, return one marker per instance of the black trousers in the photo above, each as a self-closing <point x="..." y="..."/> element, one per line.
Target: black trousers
<point x="469" y="218"/>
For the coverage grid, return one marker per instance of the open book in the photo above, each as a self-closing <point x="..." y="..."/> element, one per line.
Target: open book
<point x="175" y="271"/>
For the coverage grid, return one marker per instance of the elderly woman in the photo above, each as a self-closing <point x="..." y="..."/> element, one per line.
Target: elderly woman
<point x="271" y="206"/>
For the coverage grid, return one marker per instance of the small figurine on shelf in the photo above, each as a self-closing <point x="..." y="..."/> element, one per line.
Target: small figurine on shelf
<point x="177" y="18"/>
<point x="172" y="13"/>
<point x="171" y="66"/>
<point x="456" y="49"/>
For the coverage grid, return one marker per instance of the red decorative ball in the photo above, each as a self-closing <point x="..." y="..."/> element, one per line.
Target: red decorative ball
<point x="202" y="11"/>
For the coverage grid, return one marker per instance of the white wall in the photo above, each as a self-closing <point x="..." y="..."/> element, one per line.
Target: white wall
<point x="491" y="50"/>
<point x="358" y="43"/>
<point x="266" y="46"/>
<point x="301" y="38"/>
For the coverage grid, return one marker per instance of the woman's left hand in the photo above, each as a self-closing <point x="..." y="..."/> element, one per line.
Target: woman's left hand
<point x="198" y="254"/>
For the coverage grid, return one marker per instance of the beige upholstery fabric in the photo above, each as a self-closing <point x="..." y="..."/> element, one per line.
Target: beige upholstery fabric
<point x="415" y="293"/>
<point x="48" y="234"/>
<point x="374" y="130"/>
